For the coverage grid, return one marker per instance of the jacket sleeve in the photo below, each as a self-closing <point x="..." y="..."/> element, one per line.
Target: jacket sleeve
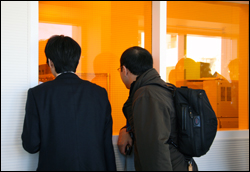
<point x="152" y="130"/>
<point x="108" y="147"/>
<point x="31" y="130"/>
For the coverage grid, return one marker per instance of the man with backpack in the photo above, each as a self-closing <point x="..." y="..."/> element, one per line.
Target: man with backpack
<point x="150" y="113"/>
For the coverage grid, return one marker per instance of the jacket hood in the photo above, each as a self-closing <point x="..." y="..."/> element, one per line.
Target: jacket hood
<point x="151" y="76"/>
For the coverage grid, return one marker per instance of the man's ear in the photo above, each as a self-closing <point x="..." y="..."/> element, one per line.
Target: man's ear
<point x="125" y="70"/>
<point x="51" y="64"/>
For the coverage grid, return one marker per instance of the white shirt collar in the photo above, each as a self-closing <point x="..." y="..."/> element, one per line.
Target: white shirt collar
<point x="65" y="72"/>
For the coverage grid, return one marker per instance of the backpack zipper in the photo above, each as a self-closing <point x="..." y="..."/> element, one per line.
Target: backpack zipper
<point x="191" y="127"/>
<point x="201" y="118"/>
<point x="184" y="116"/>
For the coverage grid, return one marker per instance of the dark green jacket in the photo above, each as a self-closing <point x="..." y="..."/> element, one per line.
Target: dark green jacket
<point x="150" y="111"/>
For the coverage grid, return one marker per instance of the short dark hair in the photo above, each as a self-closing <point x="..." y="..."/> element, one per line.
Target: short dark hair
<point x="137" y="59"/>
<point x="64" y="52"/>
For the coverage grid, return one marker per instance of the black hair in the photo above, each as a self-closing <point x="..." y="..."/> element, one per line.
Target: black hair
<point x="64" y="52"/>
<point x="138" y="60"/>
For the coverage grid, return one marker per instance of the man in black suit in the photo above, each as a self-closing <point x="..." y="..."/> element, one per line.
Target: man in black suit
<point x="68" y="120"/>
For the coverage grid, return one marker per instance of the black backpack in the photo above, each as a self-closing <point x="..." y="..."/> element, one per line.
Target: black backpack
<point x="196" y="121"/>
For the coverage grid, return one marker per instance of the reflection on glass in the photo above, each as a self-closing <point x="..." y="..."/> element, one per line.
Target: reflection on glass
<point x="103" y="29"/>
<point x="208" y="44"/>
<point x="199" y="68"/>
<point x="206" y="50"/>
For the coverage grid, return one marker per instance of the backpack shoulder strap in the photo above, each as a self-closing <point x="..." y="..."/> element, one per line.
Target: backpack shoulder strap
<point x="168" y="86"/>
<point x="171" y="87"/>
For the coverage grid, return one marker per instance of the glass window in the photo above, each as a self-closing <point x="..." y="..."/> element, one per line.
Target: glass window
<point x="104" y="29"/>
<point x="207" y="43"/>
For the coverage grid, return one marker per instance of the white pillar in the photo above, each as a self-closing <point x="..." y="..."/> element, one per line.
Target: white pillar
<point x="159" y="42"/>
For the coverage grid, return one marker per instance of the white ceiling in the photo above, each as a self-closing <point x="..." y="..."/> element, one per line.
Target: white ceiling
<point x="239" y="2"/>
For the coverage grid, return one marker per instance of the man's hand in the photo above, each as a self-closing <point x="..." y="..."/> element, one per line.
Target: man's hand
<point x="123" y="139"/>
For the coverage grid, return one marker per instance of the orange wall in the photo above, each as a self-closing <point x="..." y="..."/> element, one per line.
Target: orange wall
<point x="243" y="54"/>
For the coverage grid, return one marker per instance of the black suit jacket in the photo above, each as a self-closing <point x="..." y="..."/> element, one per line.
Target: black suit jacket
<point x="68" y="120"/>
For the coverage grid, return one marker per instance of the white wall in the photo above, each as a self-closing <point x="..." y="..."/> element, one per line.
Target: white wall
<point x="229" y="152"/>
<point x="19" y="71"/>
